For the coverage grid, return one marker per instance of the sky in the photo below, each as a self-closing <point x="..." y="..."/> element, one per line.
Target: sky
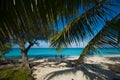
<point x="46" y="44"/>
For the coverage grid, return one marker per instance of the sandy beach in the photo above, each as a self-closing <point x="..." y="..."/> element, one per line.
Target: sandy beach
<point x="93" y="68"/>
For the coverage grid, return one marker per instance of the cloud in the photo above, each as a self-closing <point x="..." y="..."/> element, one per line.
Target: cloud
<point x="42" y="44"/>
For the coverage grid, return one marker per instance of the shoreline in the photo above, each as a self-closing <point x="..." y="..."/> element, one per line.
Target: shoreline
<point x="63" y="58"/>
<point x="34" y="59"/>
<point x="106" y="55"/>
<point x="64" y="69"/>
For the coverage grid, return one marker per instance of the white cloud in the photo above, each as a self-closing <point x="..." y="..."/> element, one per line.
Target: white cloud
<point x="42" y="44"/>
<point x="78" y="45"/>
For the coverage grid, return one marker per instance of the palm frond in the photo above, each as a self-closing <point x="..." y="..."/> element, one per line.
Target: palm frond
<point x="109" y="36"/>
<point x="26" y="20"/>
<point x="81" y="27"/>
<point x="33" y="19"/>
<point x="4" y="48"/>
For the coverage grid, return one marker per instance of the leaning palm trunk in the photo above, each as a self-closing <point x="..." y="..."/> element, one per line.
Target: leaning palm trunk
<point x="109" y="35"/>
<point x="80" y="59"/>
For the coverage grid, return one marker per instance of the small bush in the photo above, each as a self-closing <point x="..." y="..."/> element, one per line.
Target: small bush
<point x="14" y="74"/>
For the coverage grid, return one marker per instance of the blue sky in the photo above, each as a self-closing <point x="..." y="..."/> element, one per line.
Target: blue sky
<point x="45" y="44"/>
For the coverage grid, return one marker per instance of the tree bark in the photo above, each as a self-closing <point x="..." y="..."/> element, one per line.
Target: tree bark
<point x="25" y="63"/>
<point x="24" y="51"/>
<point x="80" y="59"/>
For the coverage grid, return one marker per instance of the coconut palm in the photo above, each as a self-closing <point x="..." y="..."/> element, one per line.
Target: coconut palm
<point x="108" y="36"/>
<point x="83" y="26"/>
<point x="26" y="21"/>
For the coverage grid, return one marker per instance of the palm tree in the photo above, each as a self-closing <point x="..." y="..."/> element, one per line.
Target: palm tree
<point x="26" y="21"/>
<point x="109" y="35"/>
<point x="83" y="26"/>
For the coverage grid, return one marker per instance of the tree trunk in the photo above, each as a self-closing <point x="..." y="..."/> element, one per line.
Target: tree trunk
<point x="81" y="57"/>
<point x="24" y="51"/>
<point x="25" y="63"/>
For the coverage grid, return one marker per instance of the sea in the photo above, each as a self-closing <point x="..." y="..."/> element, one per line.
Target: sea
<point x="52" y="52"/>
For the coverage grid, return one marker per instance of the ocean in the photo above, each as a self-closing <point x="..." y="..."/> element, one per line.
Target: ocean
<point x="50" y="52"/>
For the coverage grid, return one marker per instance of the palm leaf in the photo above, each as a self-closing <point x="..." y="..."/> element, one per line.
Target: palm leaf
<point x="19" y="17"/>
<point x="108" y="36"/>
<point x="81" y="27"/>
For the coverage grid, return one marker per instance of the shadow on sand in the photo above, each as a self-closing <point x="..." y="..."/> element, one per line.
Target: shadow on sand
<point x="90" y="71"/>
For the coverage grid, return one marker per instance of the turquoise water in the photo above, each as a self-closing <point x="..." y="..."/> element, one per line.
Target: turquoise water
<point x="48" y="52"/>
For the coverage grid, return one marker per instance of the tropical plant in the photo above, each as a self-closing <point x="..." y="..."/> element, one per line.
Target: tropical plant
<point x="108" y="36"/>
<point x="84" y="26"/>
<point x="5" y="48"/>
<point x="26" y="21"/>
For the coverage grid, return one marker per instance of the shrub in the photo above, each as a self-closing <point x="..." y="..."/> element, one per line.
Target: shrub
<point x="14" y="74"/>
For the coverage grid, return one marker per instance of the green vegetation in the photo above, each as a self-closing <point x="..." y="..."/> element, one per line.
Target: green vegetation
<point x="108" y="35"/>
<point x="14" y="74"/>
<point x="4" y="49"/>
<point x="25" y="21"/>
<point x="84" y="27"/>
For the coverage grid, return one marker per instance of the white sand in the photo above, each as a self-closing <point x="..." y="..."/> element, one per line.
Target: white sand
<point x="94" y="69"/>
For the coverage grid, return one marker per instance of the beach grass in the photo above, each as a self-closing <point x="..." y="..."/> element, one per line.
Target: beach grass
<point x="14" y="74"/>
